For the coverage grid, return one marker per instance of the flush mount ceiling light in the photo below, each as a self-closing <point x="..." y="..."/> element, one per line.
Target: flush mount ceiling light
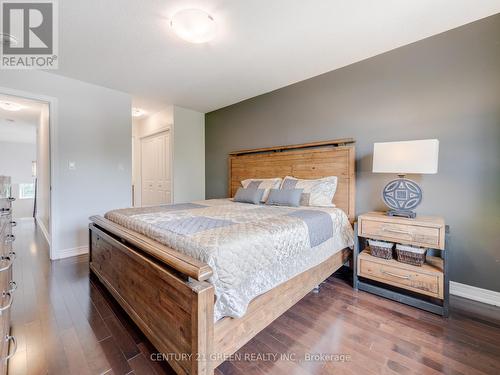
<point x="10" y="106"/>
<point x="194" y="25"/>
<point x="137" y="112"/>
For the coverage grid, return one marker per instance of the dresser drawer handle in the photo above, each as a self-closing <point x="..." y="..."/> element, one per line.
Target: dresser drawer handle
<point x="406" y="277"/>
<point x="13" y="287"/>
<point x="8" y="305"/>
<point x="9" y="263"/>
<point x="13" y="223"/>
<point x="14" y="343"/>
<point x="5" y="212"/>
<point x="12" y="255"/>
<point x="10" y="238"/>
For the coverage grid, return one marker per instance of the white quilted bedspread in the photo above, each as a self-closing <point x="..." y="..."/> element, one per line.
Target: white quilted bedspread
<point x="251" y="248"/>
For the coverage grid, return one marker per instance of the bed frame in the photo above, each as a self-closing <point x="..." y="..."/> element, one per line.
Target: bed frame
<point x="167" y="293"/>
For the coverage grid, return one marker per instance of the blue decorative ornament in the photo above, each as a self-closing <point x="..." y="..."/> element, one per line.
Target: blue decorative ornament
<point x="402" y="196"/>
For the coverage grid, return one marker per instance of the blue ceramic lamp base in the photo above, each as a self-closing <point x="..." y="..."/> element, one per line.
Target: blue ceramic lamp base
<point x="402" y="196"/>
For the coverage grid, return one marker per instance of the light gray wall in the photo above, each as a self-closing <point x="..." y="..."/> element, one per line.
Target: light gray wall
<point x="445" y="87"/>
<point x="189" y="155"/>
<point x="15" y="161"/>
<point x="93" y="129"/>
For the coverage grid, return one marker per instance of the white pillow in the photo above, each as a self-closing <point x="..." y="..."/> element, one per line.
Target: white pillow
<point x="262" y="183"/>
<point x="317" y="192"/>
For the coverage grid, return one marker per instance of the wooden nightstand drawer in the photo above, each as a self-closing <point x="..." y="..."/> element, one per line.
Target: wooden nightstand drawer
<point x="427" y="279"/>
<point x="420" y="232"/>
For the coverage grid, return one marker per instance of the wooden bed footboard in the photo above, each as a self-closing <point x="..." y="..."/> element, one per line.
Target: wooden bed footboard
<point x="231" y="334"/>
<point x="173" y="311"/>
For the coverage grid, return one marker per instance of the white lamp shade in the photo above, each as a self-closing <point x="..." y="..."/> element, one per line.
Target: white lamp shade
<point x="419" y="157"/>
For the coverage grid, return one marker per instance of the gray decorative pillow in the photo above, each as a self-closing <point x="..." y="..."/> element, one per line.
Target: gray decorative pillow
<point x="288" y="197"/>
<point x="262" y="183"/>
<point x="253" y="196"/>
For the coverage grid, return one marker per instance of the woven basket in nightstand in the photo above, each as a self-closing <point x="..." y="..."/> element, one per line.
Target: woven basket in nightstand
<point x="381" y="249"/>
<point x="410" y="254"/>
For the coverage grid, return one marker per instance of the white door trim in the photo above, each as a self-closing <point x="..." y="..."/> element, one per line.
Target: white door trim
<point x="54" y="162"/>
<point x="156" y="131"/>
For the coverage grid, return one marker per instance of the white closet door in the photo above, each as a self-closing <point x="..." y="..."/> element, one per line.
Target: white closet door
<point x="155" y="169"/>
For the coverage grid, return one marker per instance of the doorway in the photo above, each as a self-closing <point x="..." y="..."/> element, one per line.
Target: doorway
<point x="156" y="169"/>
<point x="25" y="157"/>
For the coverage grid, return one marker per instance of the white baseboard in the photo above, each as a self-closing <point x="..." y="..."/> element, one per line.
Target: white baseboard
<point x="476" y="294"/>
<point x="74" y="251"/>
<point x="23" y="218"/>
<point x="44" y="230"/>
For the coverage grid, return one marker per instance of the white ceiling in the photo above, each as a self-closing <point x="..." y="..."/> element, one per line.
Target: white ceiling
<point x="20" y="126"/>
<point x="261" y="45"/>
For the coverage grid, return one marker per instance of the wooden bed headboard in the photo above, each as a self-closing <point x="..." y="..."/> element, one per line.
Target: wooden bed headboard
<point x="308" y="161"/>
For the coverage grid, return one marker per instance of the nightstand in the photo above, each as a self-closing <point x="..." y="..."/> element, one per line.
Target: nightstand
<point x="425" y="287"/>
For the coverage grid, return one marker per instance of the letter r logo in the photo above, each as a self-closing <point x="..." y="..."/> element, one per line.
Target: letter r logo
<point x="32" y="26"/>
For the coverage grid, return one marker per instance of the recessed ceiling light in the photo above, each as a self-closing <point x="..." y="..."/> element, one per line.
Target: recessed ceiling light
<point x="194" y="25"/>
<point x="137" y="112"/>
<point x="10" y="106"/>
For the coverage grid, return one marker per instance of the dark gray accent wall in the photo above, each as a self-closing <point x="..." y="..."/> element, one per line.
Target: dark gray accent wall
<point x="445" y="87"/>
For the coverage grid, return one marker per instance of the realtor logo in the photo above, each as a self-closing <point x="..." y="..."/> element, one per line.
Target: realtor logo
<point x="29" y="34"/>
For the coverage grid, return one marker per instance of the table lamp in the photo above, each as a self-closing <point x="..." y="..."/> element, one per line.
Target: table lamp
<point x="402" y="195"/>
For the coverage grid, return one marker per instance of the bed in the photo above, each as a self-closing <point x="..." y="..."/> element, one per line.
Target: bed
<point x="201" y="279"/>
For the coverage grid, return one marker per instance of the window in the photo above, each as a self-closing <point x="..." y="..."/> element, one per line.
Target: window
<point x="27" y="191"/>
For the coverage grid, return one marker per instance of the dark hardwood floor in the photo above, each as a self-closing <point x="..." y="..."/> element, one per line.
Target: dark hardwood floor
<point x="68" y="324"/>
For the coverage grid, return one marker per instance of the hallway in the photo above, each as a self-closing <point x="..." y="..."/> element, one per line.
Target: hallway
<point x="62" y="322"/>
